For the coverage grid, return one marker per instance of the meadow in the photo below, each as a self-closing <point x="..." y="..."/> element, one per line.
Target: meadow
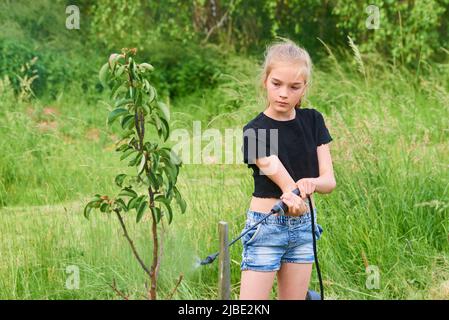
<point x="389" y="211"/>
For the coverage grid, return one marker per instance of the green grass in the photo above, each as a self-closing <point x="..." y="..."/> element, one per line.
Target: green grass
<point x="390" y="207"/>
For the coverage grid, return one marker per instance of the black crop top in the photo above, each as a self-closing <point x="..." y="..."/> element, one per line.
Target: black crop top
<point x="296" y="147"/>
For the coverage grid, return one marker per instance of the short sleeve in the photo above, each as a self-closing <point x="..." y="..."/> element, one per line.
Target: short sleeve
<point x="256" y="144"/>
<point x="322" y="135"/>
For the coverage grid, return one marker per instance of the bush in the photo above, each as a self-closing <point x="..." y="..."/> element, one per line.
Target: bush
<point x="181" y="69"/>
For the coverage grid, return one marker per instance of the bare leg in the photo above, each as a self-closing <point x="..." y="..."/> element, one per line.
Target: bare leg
<point x="256" y="285"/>
<point x="293" y="280"/>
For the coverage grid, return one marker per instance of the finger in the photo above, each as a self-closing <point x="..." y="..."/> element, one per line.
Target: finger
<point x="297" y="199"/>
<point x="307" y="189"/>
<point x="288" y="203"/>
<point x="291" y="209"/>
<point x="310" y="188"/>
<point x="300" y="204"/>
<point x="304" y="207"/>
<point x="302" y="191"/>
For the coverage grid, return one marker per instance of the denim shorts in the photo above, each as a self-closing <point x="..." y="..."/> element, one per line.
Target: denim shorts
<point x="276" y="240"/>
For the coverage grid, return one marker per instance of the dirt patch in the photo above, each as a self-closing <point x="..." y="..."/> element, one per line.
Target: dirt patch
<point x="45" y="125"/>
<point x="93" y="134"/>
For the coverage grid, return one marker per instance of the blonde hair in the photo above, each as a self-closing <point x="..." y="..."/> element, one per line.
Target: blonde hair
<point x="286" y="51"/>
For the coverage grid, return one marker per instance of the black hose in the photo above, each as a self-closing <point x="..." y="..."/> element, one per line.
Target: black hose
<point x="318" y="271"/>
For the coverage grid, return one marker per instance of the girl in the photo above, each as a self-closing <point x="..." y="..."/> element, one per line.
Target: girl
<point x="287" y="148"/>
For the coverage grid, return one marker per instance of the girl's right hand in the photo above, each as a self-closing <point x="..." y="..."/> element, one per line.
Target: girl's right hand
<point x="296" y="206"/>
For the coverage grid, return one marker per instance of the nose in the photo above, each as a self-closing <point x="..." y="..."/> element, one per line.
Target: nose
<point x="283" y="93"/>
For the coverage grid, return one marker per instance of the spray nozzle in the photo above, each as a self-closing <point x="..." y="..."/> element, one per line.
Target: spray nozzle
<point x="210" y="259"/>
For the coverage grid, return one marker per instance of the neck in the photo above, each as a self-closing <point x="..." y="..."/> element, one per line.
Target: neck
<point x="280" y="115"/>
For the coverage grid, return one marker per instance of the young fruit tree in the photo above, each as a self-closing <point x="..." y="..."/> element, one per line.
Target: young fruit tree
<point x="153" y="186"/>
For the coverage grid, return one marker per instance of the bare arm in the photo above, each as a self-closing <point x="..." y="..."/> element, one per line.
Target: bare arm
<point x="273" y="168"/>
<point x="325" y="183"/>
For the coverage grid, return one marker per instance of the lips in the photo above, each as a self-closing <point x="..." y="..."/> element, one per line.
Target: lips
<point x="282" y="103"/>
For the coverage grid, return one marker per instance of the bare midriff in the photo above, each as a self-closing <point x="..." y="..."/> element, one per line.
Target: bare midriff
<point x="264" y="205"/>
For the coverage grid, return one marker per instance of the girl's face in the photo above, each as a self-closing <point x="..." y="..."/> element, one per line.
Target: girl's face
<point x="285" y="87"/>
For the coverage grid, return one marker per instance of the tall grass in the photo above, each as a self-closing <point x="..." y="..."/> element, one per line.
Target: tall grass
<point x="389" y="210"/>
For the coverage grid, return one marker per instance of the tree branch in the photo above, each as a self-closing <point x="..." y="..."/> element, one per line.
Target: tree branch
<point x="131" y="243"/>
<point x="114" y="287"/>
<point x="218" y="25"/>
<point x="176" y="287"/>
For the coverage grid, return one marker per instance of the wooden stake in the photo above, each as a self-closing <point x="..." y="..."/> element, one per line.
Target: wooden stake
<point x="224" y="271"/>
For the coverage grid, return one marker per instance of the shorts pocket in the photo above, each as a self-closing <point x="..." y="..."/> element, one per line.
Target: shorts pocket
<point x="318" y="231"/>
<point x="252" y="234"/>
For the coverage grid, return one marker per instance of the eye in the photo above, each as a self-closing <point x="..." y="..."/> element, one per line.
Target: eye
<point x="275" y="84"/>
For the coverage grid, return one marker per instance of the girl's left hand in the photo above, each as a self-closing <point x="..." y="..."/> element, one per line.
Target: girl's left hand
<point x="306" y="187"/>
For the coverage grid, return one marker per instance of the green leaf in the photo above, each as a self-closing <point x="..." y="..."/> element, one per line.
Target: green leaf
<point x="141" y="165"/>
<point x="169" y="193"/>
<point x="169" y="170"/>
<point x="128" y="192"/>
<point x="182" y="204"/>
<point x="161" y="198"/>
<point x="133" y="68"/>
<point x="153" y="180"/>
<point x="146" y="66"/>
<point x="165" y="129"/>
<point x="157" y="121"/>
<point x="87" y="210"/>
<point x="97" y="197"/>
<point x="132" y="92"/>
<point x="117" y="85"/>
<point x="135" y="202"/>
<point x="138" y="98"/>
<point x="136" y="160"/>
<point x="128" y="121"/>
<point x="151" y="146"/>
<point x="157" y="212"/>
<point x="123" y="147"/>
<point x="95" y="202"/>
<point x="121" y="102"/>
<point x="127" y="133"/>
<point x="132" y="203"/>
<point x="118" y="88"/>
<point x="160" y="179"/>
<point x="140" y="199"/>
<point x="152" y="93"/>
<point x="164" y="110"/>
<point x="127" y="153"/>
<point x="170" y="155"/>
<point x="146" y="107"/>
<point x="115" y="114"/>
<point x="119" y="179"/>
<point x="154" y="160"/>
<point x="141" y="210"/>
<point x="103" y="74"/>
<point x="120" y="70"/>
<point x="121" y="203"/>
<point x="104" y="207"/>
